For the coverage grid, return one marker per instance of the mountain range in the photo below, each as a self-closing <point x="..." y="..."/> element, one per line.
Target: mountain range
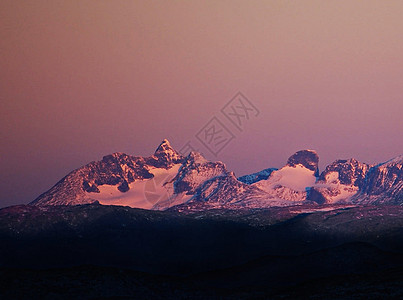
<point x="169" y="180"/>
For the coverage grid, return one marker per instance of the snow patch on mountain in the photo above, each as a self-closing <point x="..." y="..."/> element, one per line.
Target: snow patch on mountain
<point x="331" y="190"/>
<point x="288" y="183"/>
<point x="144" y="194"/>
<point x="296" y="178"/>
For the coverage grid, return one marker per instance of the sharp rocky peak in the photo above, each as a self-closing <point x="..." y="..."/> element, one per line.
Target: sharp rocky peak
<point x="167" y="155"/>
<point x="164" y="147"/>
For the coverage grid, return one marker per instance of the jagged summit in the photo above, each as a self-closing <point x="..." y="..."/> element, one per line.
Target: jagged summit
<point x="167" y="155"/>
<point x="164" y="146"/>
<point x="339" y="182"/>
<point x="349" y="171"/>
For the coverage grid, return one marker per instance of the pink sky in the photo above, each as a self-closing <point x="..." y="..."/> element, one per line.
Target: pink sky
<point x="81" y="79"/>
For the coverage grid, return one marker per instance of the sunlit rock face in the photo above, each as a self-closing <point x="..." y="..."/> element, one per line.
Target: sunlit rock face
<point x="165" y="156"/>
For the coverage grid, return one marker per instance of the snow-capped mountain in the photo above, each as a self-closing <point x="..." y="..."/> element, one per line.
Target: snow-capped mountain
<point x="194" y="171"/>
<point x="360" y="183"/>
<point x="118" y="179"/>
<point x="340" y="181"/>
<point x="167" y="179"/>
<point x="290" y="182"/>
<point x="160" y="181"/>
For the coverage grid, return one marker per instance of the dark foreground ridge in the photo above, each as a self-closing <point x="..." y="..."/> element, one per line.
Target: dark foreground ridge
<point x="100" y="252"/>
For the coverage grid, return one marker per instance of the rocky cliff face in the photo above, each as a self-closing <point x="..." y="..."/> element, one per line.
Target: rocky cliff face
<point x="350" y="172"/>
<point x="195" y="171"/>
<point x="383" y="184"/>
<point x="307" y="158"/>
<point x="226" y="189"/>
<point x="339" y="182"/>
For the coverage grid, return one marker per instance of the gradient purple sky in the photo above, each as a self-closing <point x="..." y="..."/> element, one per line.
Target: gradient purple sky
<point x="81" y="79"/>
